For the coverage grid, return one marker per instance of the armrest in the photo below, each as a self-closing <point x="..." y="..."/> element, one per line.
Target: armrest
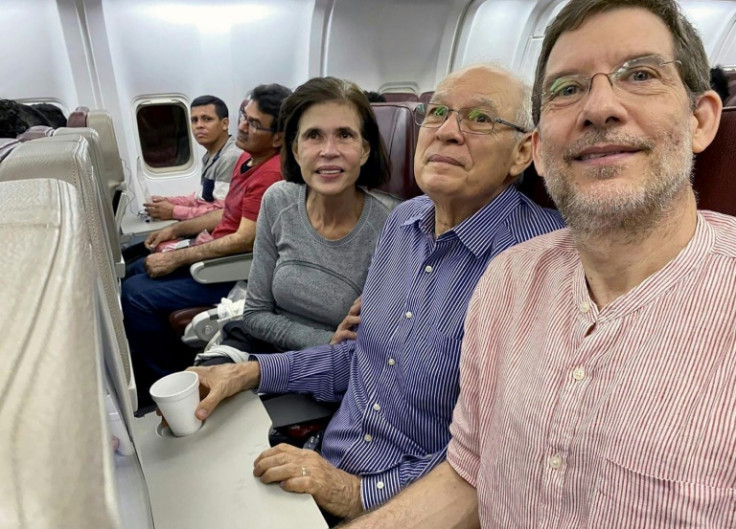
<point x="221" y="269"/>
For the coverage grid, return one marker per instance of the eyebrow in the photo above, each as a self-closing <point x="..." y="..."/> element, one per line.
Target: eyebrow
<point x="549" y="79"/>
<point x="339" y="130"/>
<point x="477" y="102"/>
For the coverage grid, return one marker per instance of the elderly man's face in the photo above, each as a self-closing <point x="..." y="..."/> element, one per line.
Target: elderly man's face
<point x="459" y="168"/>
<point x="615" y="156"/>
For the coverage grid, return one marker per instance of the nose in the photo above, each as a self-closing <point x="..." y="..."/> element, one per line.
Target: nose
<point x="450" y="129"/>
<point x="329" y="147"/>
<point x="243" y="126"/>
<point x="602" y="105"/>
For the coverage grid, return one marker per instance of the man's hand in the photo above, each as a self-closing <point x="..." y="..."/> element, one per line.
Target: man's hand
<point x="159" y="208"/>
<point x="161" y="264"/>
<point x="157" y="237"/>
<point x="216" y="383"/>
<point x="306" y="471"/>
<point x="345" y="331"/>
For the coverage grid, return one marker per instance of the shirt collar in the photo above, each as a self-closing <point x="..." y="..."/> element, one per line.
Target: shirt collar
<point x="475" y="231"/>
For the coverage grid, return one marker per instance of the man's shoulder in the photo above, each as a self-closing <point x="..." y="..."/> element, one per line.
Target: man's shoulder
<point x="724" y="229"/>
<point x="230" y="152"/>
<point x="553" y="247"/>
<point x="411" y="208"/>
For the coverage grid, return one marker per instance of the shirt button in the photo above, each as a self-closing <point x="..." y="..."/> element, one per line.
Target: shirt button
<point x="391" y="361"/>
<point x="554" y="462"/>
<point x="408" y="315"/>
<point x="584" y="307"/>
<point x="428" y="269"/>
<point x="376" y="407"/>
<point x="578" y="374"/>
<point x="379" y="485"/>
<point x="368" y="438"/>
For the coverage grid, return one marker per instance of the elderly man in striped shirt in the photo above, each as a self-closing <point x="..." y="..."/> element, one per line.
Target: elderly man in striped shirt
<point x="604" y="394"/>
<point x="398" y="380"/>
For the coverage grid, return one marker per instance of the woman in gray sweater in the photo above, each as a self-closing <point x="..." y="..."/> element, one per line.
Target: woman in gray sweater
<point x="316" y="231"/>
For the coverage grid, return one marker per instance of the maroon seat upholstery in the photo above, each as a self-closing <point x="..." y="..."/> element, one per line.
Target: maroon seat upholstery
<point x="714" y="172"/>
<point x="399" y="133"/>
<point x="715" y="168"/>
<point x="78" y="118"/>
<point x="400" y="97"/>
<point x="425" y="97"/>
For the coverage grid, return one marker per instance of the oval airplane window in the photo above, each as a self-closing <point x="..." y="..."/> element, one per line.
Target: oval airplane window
<point x="163" y="130"/>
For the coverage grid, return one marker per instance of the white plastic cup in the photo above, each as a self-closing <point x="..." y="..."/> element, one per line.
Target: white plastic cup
<point x="177" y="396"/>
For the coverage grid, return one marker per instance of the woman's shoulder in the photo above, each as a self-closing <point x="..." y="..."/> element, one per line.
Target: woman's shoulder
<point x="282" y="192"/>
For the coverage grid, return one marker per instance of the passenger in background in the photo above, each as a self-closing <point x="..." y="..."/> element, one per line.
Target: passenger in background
<point x="161" y="283"/>
<point x="317" y="231"/>
<point x="210" y="121"/>
<point x="12" y="123"/>
<point x="603" y="394"/>
<point x="398" y="380"/>
<point x="52" y="113"/>
<point x="374" y="97"/>
<point x="719" y="83"/>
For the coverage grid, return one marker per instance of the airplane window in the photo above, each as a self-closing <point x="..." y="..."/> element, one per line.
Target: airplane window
<point x="163" y="130"/>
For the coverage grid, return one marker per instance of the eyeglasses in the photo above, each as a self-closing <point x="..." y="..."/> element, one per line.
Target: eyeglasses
<point x="253" y="125"/>
<point x="470" y="120"/>
<point x="640" y="76"/>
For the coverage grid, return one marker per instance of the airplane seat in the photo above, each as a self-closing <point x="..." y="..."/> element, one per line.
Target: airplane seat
<point x="54" y="430"/>
<point x="101" y="121"/>
<point x="35" y="132"/>
<point x="532" y="186"/>
<point x="399" y="133"/>
<point x="400" y="97"/>
<point x="426" y="97"/>
<point x="714" y="172"/>
<point x="78" y="118"/>
<point x="67" y="158"/>
<point x="6" y="147"/>
<point x="100" y="169"/>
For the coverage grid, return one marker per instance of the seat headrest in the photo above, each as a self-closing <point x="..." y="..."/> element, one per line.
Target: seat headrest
<point x="78" y="118"/>
<point x="399" y="133"/>
<point x="400" y="97"/>
<point x="714" y="172"/>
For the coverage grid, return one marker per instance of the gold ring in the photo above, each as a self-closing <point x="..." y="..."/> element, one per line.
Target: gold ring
<point x="304" y="471"/>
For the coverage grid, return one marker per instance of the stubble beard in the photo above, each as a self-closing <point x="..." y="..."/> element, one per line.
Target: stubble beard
<point x="629" y="212"/>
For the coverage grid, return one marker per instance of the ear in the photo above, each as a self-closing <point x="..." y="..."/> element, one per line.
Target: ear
<point x="705" y="120"/>
<point x="366" y="152"/>
<point x="538" y="164"/>
<point x="522" y="155"/>
<point x="278" y="140"/>
<point x="225" y="123"/>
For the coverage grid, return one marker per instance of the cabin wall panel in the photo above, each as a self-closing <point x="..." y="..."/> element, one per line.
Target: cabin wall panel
<point x="35" y="60"/>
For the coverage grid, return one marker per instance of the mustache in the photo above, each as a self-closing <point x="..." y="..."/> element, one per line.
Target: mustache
<point x="606" y="136"/>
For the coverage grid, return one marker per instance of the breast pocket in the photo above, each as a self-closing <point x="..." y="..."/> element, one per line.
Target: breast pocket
<point x="628" y="499"/>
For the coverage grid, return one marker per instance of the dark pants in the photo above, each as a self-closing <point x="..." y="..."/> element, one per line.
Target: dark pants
<point x="155" y="350"/>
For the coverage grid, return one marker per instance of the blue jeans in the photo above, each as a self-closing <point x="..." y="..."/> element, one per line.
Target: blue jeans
<point x="155" y="350"/>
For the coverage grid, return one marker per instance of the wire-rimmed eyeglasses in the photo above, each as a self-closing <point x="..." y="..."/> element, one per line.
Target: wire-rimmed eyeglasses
<point x="470" y="120"/>
<point x="254" y="125"/>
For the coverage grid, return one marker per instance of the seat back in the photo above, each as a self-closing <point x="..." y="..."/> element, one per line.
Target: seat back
<point x="400" y="97"/>
<point x="715" y="168"/>
<point x="101" y="121"/>
<point x="399" y="133"/>
<point x="99" y="167"/>
<point x="426" y="97"/>
<point x="55" y="448"/>
<point x="67" y="158"/>
<point x="6" y="147"/>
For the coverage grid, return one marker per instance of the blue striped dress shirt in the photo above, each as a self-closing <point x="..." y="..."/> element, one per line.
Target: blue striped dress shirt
<point x="399" y="380"/>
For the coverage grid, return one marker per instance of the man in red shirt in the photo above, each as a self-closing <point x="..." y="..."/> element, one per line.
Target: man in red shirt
<point x="161" y="283"/>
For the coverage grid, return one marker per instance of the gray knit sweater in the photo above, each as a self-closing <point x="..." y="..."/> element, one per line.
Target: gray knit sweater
<point x="301" y="285"/>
